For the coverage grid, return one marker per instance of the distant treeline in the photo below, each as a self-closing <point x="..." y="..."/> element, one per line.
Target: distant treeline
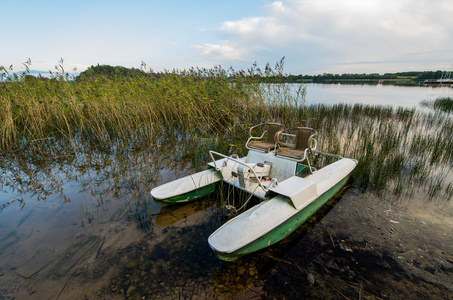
<point x="109" y="72"/>
<point x="414" y="77"/>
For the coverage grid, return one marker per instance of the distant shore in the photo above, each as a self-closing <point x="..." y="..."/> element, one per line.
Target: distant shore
<point x="400" y="78"/>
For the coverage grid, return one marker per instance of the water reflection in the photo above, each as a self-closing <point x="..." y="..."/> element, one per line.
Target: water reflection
<point x="58" y="218"/>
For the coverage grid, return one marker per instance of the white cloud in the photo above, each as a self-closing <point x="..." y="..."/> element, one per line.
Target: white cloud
<point x="218" y="52"/>
<point x="243" y="38"/>
<point x="339" y="34"/>
<point x="267" y="29"/>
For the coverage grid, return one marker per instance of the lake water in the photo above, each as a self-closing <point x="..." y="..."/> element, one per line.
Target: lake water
<point x="86" y="227"/>
<point x="406" y="96"/>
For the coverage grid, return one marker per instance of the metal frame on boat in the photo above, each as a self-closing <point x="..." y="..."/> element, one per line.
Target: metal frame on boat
<point x="271" y="171"/>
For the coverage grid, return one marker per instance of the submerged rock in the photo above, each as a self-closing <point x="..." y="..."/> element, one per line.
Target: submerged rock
<point x="131" y="290"/>
<point x="132" y="264"/>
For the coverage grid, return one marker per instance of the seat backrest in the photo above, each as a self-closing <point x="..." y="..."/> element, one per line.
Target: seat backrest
<point x="272" y="129"/>
<point x="304" y="136"/>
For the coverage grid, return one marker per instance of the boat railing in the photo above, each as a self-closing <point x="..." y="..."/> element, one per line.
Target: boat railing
<point x="254" y="138"/>
<point x="211" y="153"/>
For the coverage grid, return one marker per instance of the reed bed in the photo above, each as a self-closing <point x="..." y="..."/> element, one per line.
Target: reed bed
<point x="444" y="104"/>
<point x="60" y="121"/>
<point x="127" y="111"/>
<point x="399" y="149"/>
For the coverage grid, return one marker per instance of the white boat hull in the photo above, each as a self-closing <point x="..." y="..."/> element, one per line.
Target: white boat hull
<point x="274" y="219"/>
<point x="187" y="188"/>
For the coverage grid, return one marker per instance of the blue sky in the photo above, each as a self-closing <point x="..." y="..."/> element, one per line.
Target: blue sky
<point x="315" y="36"/>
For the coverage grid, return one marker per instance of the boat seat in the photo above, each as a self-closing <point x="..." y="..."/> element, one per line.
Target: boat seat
<point x="304" y="141"/>
<point x="264" y="144"/>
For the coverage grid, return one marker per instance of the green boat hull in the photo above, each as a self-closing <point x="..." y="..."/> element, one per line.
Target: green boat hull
<point x="286" y="228"/>
<point x="190" y="196"/>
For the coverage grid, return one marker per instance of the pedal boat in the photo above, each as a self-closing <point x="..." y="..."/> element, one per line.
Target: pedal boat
<point x="271" y="171"/>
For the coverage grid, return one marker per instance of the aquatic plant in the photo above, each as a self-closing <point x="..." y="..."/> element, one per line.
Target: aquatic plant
<point x="397" y="148"/>
<point x="444" y="104"/>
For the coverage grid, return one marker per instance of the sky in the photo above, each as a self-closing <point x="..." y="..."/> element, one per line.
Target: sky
<point x="314" y="36"/>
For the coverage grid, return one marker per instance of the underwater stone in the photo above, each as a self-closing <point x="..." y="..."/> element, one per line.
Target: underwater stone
<point x="241" y="270"/>
<point x="131" y="290"/>
<point x="132" y="264"/>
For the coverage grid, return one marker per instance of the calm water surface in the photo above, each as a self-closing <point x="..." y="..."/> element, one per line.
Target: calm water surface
<point x="406" y="96"/>
<point x="86" y="227"/>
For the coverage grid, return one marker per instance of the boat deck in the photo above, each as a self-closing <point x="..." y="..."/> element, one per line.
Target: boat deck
<point x="255" y="171"/>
